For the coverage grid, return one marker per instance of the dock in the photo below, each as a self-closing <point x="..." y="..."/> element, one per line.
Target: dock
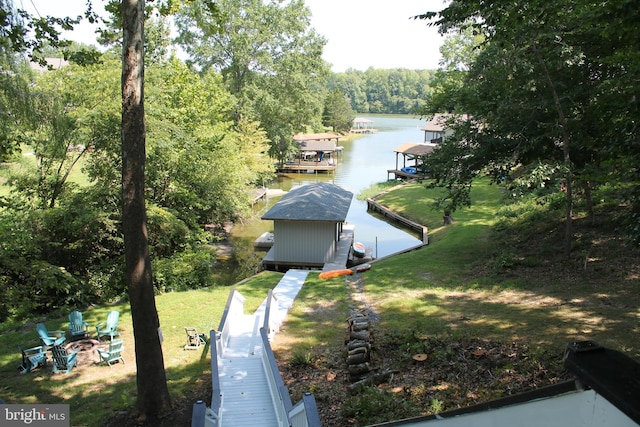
<point x="308" y="166"/>
<point x="423" y="231"/>
<point x="397" y="173"/>
<point x="264" y="241"/>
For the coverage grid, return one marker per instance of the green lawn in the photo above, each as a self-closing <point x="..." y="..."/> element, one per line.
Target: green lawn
<point x="96" y="392"/>
<point x="451" y="290"/>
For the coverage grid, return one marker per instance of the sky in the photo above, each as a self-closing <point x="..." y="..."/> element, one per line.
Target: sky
<point x="359" y="33"/>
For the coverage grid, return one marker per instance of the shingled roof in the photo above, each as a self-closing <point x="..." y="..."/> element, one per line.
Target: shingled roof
<point x="319" y="201"/>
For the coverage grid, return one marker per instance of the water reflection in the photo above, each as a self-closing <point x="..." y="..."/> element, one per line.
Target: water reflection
<point x="364" y="162"/>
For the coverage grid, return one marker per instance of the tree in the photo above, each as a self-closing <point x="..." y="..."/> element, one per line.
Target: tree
<point x="153" y="394"/>
<point x="532" y="92"/>
<point x="338" y="113"/>
<point x="17" y="30"/>
<point x="394" y="91"/>
<point x="270" y="60"/>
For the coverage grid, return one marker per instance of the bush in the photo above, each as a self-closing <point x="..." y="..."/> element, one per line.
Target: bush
<point x="167" y="233"/>
<point x="190" y="269"/>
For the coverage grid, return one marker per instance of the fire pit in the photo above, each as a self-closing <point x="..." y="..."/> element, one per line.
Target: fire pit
<point x="86" y="350"/>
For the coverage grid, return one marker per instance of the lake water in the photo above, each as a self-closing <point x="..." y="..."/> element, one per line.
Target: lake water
<point x="364" y="162"/>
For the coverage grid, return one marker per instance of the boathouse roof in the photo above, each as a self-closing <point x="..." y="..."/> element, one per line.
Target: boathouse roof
<point x="306" y="137"/>
<point x="319" y="201"/>
<point x="415" y="149"/>
<point x="313" y="145"/>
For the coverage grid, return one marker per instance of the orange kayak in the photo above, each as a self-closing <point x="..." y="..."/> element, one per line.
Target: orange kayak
<point x="335" y="273"/>
<point x="344" y="271"/>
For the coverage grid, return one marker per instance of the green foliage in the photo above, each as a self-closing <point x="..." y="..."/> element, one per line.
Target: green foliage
<point x="395" y="91"/>
<point x="167" y="233"/>
<point x="301" y="358"/>
<point x="188" y="269"/>
<point x="338" y="113"/>
<point x="540" y="90"/>
<point x="270" y="60"/>
<point x="375" y="405"/>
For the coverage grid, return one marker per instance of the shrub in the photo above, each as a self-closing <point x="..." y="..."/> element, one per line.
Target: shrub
<point x="190" y="269"/>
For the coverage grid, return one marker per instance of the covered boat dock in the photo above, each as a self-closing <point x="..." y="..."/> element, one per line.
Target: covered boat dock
<point x="318" y="152"/>
<point x="410" y="151"/>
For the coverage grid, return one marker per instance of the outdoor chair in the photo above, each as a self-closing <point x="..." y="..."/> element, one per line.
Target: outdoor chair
<point x="49" y="338"/>
<point x="110" y="327"/>
<point x="114" y="353"/>
<point x="63" y="361"/>
<point x="32" y="358"/>
<point x="77" y="327"/>
<point x="194" y="340"/>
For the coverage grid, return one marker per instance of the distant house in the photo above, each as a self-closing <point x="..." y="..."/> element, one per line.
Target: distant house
<point x="435" y="129"/>
<point x="307" y="225"/>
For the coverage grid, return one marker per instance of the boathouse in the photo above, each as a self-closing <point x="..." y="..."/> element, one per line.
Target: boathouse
<point x="316" y="152"/>
<point x="362" y="125"/>
<point x="308" y="227"/>
<point x="412" y="154"/>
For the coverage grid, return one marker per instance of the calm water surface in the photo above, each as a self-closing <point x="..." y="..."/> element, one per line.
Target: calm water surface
<point x="364" y="162"/>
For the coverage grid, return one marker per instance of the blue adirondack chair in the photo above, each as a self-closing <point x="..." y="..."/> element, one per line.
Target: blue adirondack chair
<point x="32" y="358"/>
<point x="49" y="338"/>
<point x="63" y="361"/>
<point x="114" y="353"/>
<point x="77" y="327"/>
<point x="110" y="327"/>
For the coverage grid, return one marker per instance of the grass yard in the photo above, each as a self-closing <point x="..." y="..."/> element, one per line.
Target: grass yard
<point x="493" y="320"/>
<point x="97" y="393"/>
<point x="492" y="311"/>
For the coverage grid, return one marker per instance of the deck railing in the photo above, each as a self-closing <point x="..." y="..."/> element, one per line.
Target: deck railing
<point x="202" y="416"/>
<point x="303" y="414"/>
<point x="279" y="392"/>
<point x="233" y="308"/>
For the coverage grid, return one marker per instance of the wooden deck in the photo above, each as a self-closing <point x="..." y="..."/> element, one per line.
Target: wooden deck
<point x="306" y="166"/>
<point x="360" y="131"/>
<point x="403" y="175"/>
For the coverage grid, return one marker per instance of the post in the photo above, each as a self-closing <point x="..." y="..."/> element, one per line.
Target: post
<point x="198" y="414"/>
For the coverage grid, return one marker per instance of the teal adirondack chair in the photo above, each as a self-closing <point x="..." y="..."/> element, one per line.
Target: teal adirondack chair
<point x="63" y="361"/>
<point x="77" y="327"/>
<point x="114" y="353"/>
<point x="32" y="358"/>
<point x="50" y="338"/>
<point x="110" y="327"/>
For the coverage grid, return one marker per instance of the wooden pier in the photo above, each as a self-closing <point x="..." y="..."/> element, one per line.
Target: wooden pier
<point x="397" y="173"/>
<point x="421" y="229"/>
<point x="305" y="166"/>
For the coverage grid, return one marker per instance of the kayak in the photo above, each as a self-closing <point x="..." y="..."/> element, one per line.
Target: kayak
<point x="344" y="271"/>
<point x="335" y="273"/>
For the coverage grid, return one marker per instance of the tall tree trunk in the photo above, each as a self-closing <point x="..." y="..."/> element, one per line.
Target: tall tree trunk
<point x="153" y="393"/>
<point x="568" y="229"/>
